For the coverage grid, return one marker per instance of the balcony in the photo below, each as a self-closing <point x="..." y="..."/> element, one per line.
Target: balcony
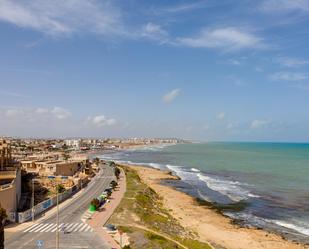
<point x="5" y="175"/>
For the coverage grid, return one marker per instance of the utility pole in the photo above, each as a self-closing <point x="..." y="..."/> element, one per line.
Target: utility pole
<point x="32" y="201"/>
<point x="57" y="230"/>
<point x="54" y="180"/>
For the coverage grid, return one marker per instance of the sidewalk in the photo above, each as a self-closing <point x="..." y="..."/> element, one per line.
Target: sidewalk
<point x="101" y="217"/>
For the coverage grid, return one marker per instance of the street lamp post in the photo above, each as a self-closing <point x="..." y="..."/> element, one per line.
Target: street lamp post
<point x="57" y="198"/>
<point x="57" y="230"/>
<point x="32" y="201"/>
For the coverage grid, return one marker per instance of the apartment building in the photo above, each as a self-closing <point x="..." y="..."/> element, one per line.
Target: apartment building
<point x="10" y="178"/>
<point x="54" y="168"/>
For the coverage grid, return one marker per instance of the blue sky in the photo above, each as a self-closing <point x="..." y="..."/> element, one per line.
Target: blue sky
<point x="206" y="70"/>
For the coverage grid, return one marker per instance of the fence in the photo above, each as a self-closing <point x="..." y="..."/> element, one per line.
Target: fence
<point x="43" y="206"/>
<point x="5" y="186"/>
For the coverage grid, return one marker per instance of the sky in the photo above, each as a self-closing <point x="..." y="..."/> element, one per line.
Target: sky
<point x="204" y="70"/>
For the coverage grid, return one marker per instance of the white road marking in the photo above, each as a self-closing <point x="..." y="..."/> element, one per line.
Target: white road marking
<point x="88" y="228"/>
<point x="73" y="227"/>
<point x="39" y="226"/>
<point x="46" y="227"/>
<point x="54" y="230"/>
<point x="69" y="226"/>
<point x="51" y="228"/>
<point x="77" y="228"/>
<point x="83" y="227"/>
<point x="33" y="226"/>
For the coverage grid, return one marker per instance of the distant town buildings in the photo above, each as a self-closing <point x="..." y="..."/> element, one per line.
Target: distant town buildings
<point x="5" y="154"/>
<point x="73" y="143"/>
<point x="67" y="160"/>
<point x="52" y="168"/>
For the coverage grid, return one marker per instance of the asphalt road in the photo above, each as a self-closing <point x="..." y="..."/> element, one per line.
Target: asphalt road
<point x="79" y="235"/>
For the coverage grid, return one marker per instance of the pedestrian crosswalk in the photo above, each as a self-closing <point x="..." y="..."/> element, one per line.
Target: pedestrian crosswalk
<point x="63" y="227"/>
<point x="86" y="216"/>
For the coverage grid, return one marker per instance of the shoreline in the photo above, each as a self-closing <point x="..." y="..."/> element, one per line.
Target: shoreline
<point x="206" y="220"/>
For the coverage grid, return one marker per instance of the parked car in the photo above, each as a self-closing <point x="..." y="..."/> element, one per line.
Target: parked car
<point x="110" y="228"/>
<point x="113" y="184"/>
<point x="108" y="191"/>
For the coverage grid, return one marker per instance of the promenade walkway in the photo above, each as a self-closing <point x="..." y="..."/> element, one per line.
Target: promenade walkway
<point x="101" y="217"/>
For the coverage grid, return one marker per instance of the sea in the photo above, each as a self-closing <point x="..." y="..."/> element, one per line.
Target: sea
<point x="272" y="179"/>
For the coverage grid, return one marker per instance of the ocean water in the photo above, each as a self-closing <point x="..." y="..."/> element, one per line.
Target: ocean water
<point x="271" y="178"/>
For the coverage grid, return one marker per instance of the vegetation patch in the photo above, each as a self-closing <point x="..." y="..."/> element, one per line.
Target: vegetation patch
<point x="143" y="207"/>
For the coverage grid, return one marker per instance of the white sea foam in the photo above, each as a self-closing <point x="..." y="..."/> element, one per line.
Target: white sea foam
<point x="203" y="197"/>
<point x="253" y="219"/>
<point x="235" y="190"/>
<point x="195" y="170"/>
<point x="104" y="157"/>
<point x="232" y="189"/>
<point x="157" y="147"/>
<point x="152" y="165"/>
<point x="302" y="228"/>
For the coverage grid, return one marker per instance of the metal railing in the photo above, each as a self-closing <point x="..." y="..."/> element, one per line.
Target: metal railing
<point x="5" y="186"/>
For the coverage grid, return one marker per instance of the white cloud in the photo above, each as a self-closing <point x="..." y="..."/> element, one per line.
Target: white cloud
<point x="41" y="110"/>
<point x="14" y="112"/>
<point x="292" y="62"/>
<point x="102" y="17"/>
<point x="257" y="124"/>
<point x="274" y="6"/>
<point x="60" y="113"/>
<point x="57" y="17"/>
<point x="51" y="122"/>
<point x="182" y="7"/>
<point x="229" y="38"/>
<point x="289" y="76"/>
<point x="155" y="32"/>
<point x="234" y="62"/>
<point x="221" y="115"/>
<point x="36" y="114"/>
<point x="170" y="96"/>
<point x="101" y="121"/>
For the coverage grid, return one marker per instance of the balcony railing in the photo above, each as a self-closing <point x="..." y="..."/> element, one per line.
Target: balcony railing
<point x="5" y="186"/>
<point x="7" y="174"/>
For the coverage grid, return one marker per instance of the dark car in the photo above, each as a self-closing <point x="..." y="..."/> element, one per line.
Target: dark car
<point x="110" y="228"/>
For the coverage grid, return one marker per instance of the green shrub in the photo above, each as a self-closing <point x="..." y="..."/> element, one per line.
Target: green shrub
<point x="96" y="203"/>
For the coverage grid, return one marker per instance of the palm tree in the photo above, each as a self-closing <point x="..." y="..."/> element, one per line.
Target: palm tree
<point x="2" y="219"/>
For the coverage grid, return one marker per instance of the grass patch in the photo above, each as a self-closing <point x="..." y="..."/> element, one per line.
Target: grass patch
<point x="158" y="238"/>
<point x="141" y="205"/>
<point x="194" y="244"/>
<point x="140" y="239"/>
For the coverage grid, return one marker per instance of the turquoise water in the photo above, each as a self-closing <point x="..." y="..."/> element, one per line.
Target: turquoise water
<point x="272" y="178"/>
<point x="271" y="166"/>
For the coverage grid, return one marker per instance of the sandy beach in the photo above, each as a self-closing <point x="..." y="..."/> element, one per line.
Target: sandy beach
<point x="209" y="225"/>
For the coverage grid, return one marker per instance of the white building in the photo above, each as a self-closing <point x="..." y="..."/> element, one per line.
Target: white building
<point x="73" y="143"/>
